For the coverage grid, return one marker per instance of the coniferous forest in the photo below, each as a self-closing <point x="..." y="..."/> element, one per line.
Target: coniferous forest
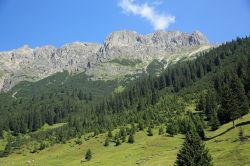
<point x="217" y="82"/>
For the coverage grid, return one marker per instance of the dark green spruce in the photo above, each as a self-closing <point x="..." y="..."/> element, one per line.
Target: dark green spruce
<point x="193" y="152"/>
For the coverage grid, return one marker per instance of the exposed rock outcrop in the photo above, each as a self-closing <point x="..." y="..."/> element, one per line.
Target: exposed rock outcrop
<point x="34" y="64"/>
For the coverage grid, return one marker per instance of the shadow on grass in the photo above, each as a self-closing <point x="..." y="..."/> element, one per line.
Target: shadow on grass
<point x="224" y="132"/>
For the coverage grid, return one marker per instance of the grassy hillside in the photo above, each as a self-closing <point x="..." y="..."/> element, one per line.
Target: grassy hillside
<point x="223" y="144"/>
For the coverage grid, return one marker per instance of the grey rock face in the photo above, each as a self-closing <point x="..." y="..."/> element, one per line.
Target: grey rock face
<point x="34" y="64"/>
<point x="146" y="47"/>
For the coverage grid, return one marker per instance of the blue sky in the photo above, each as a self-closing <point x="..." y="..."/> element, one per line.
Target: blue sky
<point x="56" y="22"/>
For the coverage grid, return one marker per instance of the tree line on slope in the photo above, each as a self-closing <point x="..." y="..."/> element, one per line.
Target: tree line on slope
<point x="136" y="103"/>
<point x="228" y="100"/>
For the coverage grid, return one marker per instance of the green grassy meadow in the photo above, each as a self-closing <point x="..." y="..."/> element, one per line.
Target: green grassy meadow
<point x="157" y="150"/>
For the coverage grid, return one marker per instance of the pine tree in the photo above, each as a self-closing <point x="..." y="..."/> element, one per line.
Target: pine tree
<point x="7" y="149"/>
<point x="1" y="133"/>
<point x="154" y="97"/>
<point x="150" y="132"/>
<point x="123" y="134"/>
<point x="85" y="97"/>
<point x="42" y="145"/>
<point x="200" y="131"/>
<point x="88" y="155"/>
<point x="78" y="141"/>
<point x="117" y="142"/>
<point x="124" y="138"/>
<point x="80" y="95"/>
<point x="210" y="104"/>
<point x="133" y="129"/>
<point x="226" y="102"/>
<point x="193" y="152"/>
<point x="162" y="82"/>
<point x="201" y="105"/>
<point x="161" y="131"/>
<point x="131" y="139"/>
<point x="106" y="143"/>
<point x="110" y="134"/>
<point x="240" y="97"/>
<point x="214" y="121"/>
<point x="217" y="61"/>
<point x="186" y="124"/>
<point x="90" y="96"/>
<point x="172" y="129"/>
<point x="140" y="126"/>
<point x="199" y="126"/>
<point x="241" y="135"/>
<point x="200" y="72"/>
<point x="234" y="101"/>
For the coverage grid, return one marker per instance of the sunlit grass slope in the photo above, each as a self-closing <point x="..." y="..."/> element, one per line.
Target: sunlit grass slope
<point x="158" y="150"/>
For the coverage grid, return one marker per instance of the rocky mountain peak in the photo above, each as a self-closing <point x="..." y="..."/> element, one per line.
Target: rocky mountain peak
<point x="34" y="64"/>
<point x="198" y="38"/>
<point x="121" y="38"/>
<point x="161" y="38"/>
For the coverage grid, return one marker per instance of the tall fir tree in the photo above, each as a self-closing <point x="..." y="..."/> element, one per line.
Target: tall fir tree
<point x="234" y="102"/>
<point x="239" y="96"/>
<point x="226" y="104"/>
<point x="172" y="128"/>
<point x="110" y="134"/>
<point x="88" y="155"/>
<point x="106" y="143"/>
<point x="210" y="104"/>
<point x="193" y="152"/>
<point x="161" y="131"/>
<point x="214" y="121"/>
<point x="201" y="105"/>
<point x="131" y="139"/>
<point x="150" y="132"/>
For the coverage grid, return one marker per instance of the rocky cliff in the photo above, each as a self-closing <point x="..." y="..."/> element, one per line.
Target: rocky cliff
<point x="101" y="61"/>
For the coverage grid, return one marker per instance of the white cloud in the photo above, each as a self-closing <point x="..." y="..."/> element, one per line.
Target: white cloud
<point x="159" y="21"/>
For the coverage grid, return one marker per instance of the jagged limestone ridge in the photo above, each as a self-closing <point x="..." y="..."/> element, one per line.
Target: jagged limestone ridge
<point x="34" y="64"/>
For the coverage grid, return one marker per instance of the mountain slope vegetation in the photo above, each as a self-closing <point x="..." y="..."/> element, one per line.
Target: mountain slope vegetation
<point x="201" y="95"/>
<point x="225" y="148"/>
